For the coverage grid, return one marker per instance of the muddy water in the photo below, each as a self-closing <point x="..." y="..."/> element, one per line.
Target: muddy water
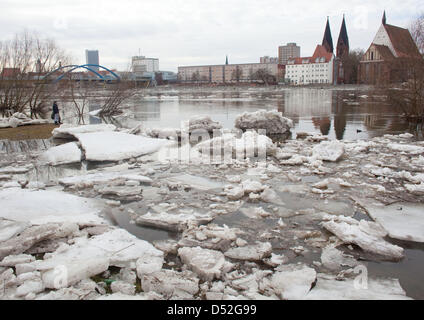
<point x="356" y="113"/>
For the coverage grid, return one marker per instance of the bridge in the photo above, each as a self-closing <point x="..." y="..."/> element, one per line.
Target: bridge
<point x="89" y="67"/>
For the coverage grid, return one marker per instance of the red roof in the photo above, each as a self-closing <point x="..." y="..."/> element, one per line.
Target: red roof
<point x="320" y="52"/>
<point x="10" y="72"/>
<point x="402" y="41"/>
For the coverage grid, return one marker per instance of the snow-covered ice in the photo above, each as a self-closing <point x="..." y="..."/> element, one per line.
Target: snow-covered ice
<point x="69" y="131"/>
<point x="207" y="264"/>
<point x="367" y="235"/>
<point x="271" y="121"/>
<point x="44" y="206"/>
<point x="173" y="221"/>
<point x="329" y="288"/>
<point x="328" y="150"/>
<point x="115" y="146"/>
<point x="62" y="154"/>
<point x="402" y="220"/>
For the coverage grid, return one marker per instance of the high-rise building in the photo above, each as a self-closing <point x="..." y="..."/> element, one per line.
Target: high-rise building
<point x="92" y="57"/>
<point x="143" y="64"/>
<point x="289" y="51"/>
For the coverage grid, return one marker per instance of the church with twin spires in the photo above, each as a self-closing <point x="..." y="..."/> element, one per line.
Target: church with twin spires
<point x="325" y="66"/>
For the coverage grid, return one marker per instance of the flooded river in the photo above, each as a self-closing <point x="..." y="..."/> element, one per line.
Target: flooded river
<point x="355" y="113"/>
<point x="343" y="114"/>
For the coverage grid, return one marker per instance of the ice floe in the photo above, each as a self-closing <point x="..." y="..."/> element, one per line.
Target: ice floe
<point x="365" y="234"/>
<point x="271" y="121"/>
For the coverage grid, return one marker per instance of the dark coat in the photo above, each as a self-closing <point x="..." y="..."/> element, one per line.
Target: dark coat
<point x="55" y="108"/>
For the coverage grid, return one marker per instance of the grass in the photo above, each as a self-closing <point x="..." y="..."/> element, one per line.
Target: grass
<point x="39" y="131"/>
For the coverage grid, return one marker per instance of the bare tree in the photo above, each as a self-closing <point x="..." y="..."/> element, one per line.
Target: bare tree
<point x="417" y="31"/>
<point x="351" y="64"/>
<point x="23" y="62"/>
<point x="263" y="75"/>
<point x="409" y="96"/>
<point x="237" y="74"/>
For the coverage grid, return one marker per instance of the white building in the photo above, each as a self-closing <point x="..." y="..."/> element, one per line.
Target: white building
<point x="143" y="64"/>
<point x="308" y="70"/>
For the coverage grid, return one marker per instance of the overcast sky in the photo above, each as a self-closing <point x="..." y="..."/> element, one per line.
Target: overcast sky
<point x="196" y="32"/>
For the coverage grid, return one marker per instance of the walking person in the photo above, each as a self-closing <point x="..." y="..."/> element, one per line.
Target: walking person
<point x="55" y="114"/>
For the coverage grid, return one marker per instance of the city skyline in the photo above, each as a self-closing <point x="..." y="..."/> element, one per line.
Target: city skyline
<point x="182" y="33"/>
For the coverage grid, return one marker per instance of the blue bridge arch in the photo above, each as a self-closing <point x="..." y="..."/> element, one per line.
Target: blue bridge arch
<point x="88" y="67"/>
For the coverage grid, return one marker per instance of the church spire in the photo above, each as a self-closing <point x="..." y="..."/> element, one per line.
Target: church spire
<point x="343" y="41"/>
<point x="327" y="42"/>
<point x="384" y="18"/>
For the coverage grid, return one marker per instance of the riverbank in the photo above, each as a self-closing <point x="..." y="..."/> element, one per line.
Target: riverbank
<point x="35" y="131"/>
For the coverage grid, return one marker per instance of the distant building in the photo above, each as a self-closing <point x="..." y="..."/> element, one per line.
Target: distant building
<point x="92" y="57"/>
<point x="324" y="67"/>
<point x="142" y="64"/>
<point x="384" y="61"/>
<point x="267" y="59"/>
<point x="291" y="50"/>
<point x="321" y="68"/>
<point x="226" y="73"/>
<point x="309" y="70"/>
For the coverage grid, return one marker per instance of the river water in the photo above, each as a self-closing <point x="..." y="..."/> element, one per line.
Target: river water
<point x="340" y="113"/>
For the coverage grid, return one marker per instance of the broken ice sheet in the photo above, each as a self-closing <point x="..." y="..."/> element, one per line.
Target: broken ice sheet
<point x="329" y="288"/>
<point x="365" y="234"/>
<point x="402" y="220"/>
<point x="176" y="222"/>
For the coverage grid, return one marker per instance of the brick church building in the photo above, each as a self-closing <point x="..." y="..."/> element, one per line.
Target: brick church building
<point x="386" y="59"/>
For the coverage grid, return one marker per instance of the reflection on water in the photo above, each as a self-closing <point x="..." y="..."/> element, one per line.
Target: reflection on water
<point x="338" y="114"/>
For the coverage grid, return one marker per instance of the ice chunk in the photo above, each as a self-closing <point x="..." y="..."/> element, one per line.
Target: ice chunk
<point x="173" y="221"/>
<point x="122" y="287"/>
<point x="328" y="151"/>
<point x="68" y="131"/>
<point x="293" y="282"/>
<point x="172" y="284"/>
<point x="271" y="121"/>
<point x="255" y="252"/>
<point x="63" y="154"/>
<point x="207" y="264"/>
<point x="27" y="238"/>
<point x="115" y="146"/>
<point x="329" y="288"/>
<point x="406" y="148"/>
<point x="249" y="145"/>
<point x="13" y="260"/>
<point x="44" y="206"/>
<point x="88" y="257"/>
<point x="334" y="259"/>
<point x="202" y="123"/>
<point x="10" y="228"/>
<point x="402" y="220"/>
<point x="149" y="264"/>
<point x="365" y="234"/>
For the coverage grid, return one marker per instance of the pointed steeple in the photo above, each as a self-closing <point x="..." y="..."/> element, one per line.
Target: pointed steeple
<point x="327" y="42"/>
<point x="384" y="18"/>
<point x="343" y="41"/>
<point x="226" y="59"/>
